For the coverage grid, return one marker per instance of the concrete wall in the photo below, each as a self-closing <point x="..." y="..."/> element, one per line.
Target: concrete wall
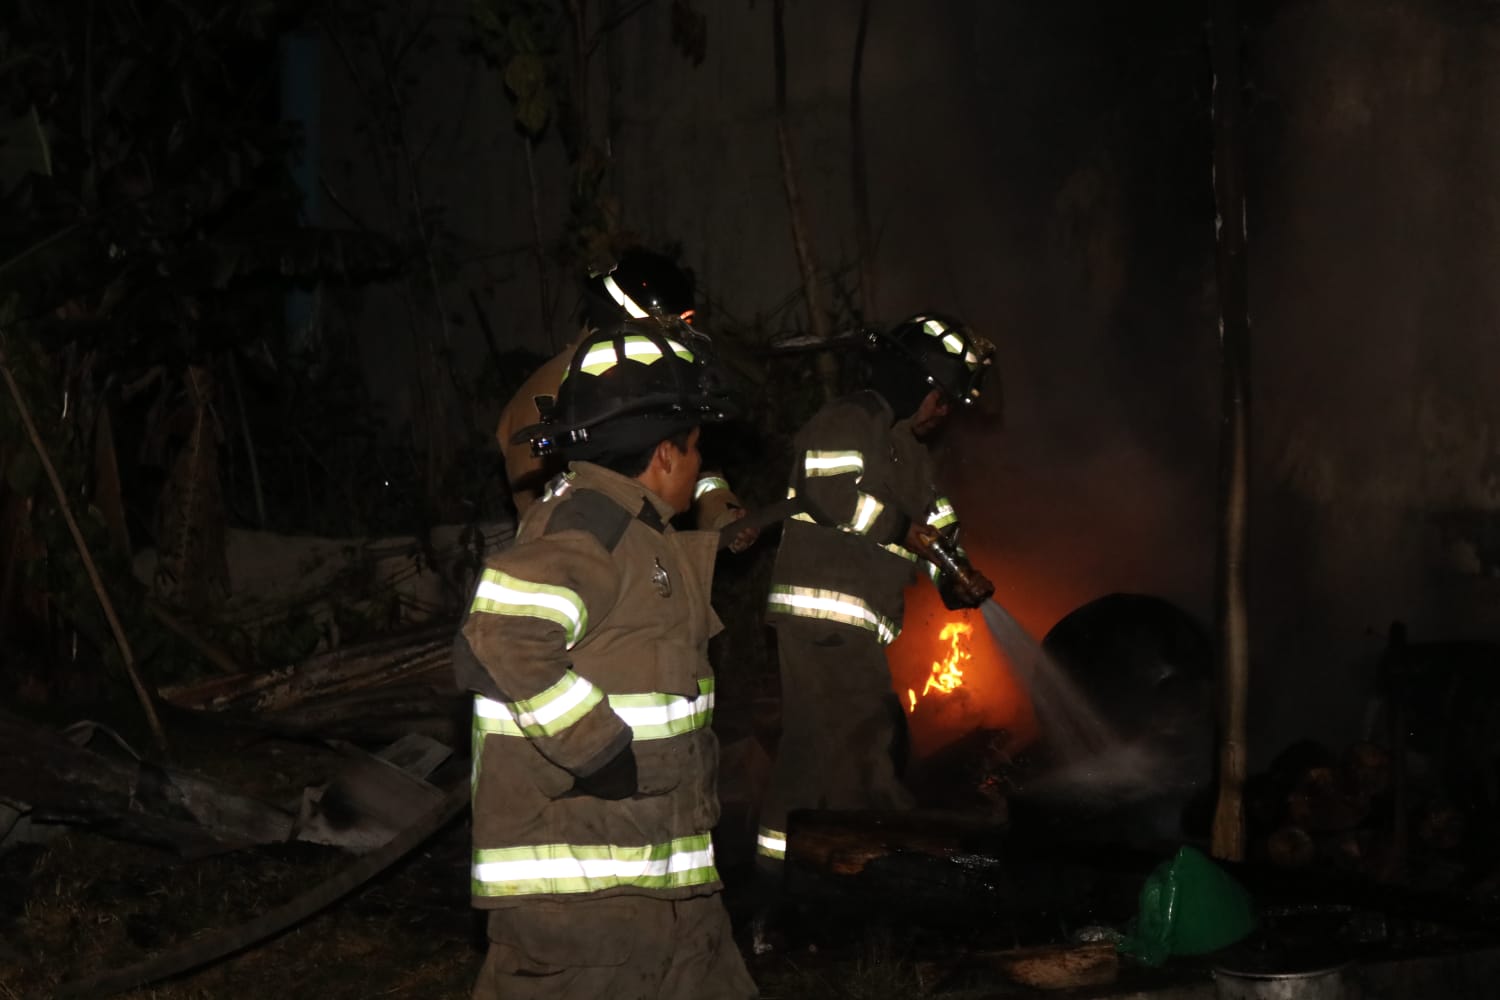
<point x="1043" y="171"/>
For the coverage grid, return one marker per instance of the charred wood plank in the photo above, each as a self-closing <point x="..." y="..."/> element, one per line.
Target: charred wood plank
<point x="130" y="799"/>
<point x="426" y="654"/>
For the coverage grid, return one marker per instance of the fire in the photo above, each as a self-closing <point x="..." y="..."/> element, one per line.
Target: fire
<point x="947" y="674"/>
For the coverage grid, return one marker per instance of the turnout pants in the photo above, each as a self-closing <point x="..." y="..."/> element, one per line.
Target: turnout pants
<point x="621" y="947"/>
<point x="842" y="729"/>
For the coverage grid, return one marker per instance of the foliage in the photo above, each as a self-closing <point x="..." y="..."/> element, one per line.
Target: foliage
<point x="148" y="223"/>
<point x="522" y="39"/>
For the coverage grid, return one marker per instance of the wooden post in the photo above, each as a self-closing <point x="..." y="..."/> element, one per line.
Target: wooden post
<point x="1228" y="840"/>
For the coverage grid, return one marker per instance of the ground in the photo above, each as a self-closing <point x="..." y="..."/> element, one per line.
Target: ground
<point x="82" y="902"/>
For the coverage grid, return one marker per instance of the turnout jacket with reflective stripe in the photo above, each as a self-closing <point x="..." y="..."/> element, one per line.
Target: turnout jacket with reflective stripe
<point x="863" y="478"/>
<point x="589" y="634"/>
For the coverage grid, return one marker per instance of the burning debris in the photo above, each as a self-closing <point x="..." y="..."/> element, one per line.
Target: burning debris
<point x="947" y="673"/>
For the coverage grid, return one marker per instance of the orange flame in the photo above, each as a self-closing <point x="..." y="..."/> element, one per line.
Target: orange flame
<point x="947" y="674"/>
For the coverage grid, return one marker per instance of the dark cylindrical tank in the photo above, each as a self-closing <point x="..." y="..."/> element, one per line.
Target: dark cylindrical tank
<point x="1146" y="666"/>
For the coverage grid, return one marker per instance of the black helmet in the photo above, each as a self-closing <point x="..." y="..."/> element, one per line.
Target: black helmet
<point x="943" y="352"/>
<point x="640" y="284"/>
<point x="628" y="387"/>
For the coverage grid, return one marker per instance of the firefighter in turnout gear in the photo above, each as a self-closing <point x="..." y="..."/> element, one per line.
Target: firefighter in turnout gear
<point x="585" y="648"/>
<point x="641" y="284"/>
<point x="871" y="515"/>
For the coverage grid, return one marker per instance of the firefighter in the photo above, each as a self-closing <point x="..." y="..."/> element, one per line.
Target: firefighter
<point x="640" y="284"/>
<point x="863" y="475"/>
<point x="586" y="650"/>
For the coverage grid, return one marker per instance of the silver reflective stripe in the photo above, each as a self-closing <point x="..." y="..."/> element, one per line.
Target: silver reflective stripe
<point x="547" y="714"/>
<point x="830" y="605"/>
<point x="934" y="573"/>
<point x="865" y="513"/>
<point x="770" y="843"/>
<point x="649" y="716"/>
<point x="499" y="593"/>
<point x="942" y="513"/>
<point x="708" y="484"/>
<point x="621" y="299"/>
<point x="579" y="868"/>
<point x="833" y="463"/>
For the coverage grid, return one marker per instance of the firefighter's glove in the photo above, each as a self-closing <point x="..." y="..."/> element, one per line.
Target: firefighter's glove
<point x="615" y="780"/>
<point x="920" y="539"/>
<point x="968" y="589"/>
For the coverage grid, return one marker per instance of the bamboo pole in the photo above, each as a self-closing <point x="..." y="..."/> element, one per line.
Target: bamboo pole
<point x="812" y="291"/>
<point x="126" y="655"/>
<point x="864" y="240"/>
<point x="1228" y="836"/>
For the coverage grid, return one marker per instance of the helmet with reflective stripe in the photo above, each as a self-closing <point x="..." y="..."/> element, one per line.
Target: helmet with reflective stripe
<point x="628" y="387"/>
<point x="946" y="354"/>
<point x="637" y="285"/>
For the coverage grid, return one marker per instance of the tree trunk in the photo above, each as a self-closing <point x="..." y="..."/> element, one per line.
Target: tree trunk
<point x="1228" y="841"/>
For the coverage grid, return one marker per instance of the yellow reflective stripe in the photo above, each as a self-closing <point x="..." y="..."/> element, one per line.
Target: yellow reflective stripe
<point x="833" y="463"/>
<point x="770" y="843"/>
<point x="933" y="572"/>
<point x="830" y="605"/>
<point x="865" y="513"/>
<point x="708" y="484"/>
<point x="553" y="869"/>
<point x="659" y="716"/>
<point x="621" y="299"/>
<point x="902" y="551"/>
<point x="546" y="714"/>
<point x="942" y="513"/>
<point x="602" y="357"/>
<point x="499" y="593"/>
<point x="653" y="716"/>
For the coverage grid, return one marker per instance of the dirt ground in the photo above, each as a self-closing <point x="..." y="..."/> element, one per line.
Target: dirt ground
<point x="82" y="902"/>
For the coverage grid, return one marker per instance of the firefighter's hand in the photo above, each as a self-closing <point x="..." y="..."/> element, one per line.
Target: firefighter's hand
<point x="746" y="536"/>
<point x="615" y="780"/>
<point x="919" y="539"/>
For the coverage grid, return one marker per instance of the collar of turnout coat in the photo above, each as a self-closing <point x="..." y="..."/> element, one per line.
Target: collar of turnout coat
<point x="623" y="490"/>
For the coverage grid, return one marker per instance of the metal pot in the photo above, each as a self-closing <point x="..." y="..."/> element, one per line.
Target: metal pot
<point x="1316" y="984"/>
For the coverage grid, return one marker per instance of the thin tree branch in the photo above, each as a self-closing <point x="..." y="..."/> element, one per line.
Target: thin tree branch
<point x="128" y="657"/>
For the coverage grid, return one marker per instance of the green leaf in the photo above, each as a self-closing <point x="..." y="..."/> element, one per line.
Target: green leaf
<point x="23" y="149"/>
<point x="525" y="75"/>
<point x="531" y="115"/>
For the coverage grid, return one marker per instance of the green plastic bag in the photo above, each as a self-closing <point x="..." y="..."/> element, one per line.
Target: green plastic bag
<point x="1189" y="906"/>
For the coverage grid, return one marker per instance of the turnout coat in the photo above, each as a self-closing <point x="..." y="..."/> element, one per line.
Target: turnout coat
<point x="587" y="635"/>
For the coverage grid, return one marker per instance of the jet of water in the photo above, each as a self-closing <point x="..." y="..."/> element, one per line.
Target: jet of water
<point x="1072" y="727"/>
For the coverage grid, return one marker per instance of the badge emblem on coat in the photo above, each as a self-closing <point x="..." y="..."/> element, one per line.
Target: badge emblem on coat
<point x="661" y="580"/>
